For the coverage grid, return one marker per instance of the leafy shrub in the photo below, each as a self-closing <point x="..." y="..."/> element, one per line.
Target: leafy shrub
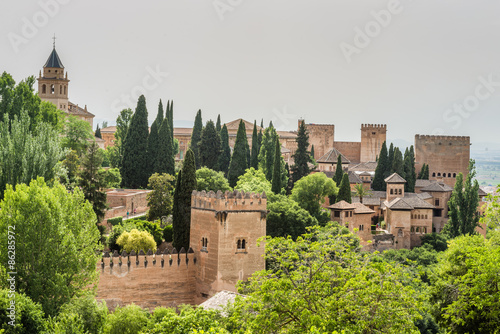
<point x="136" y="240"/>
<point x="91" y="314"/>
<point x="168" y="233"/>
<point x="28" y="314"/>
<point x="115" y="221"/>
<point x="153" y="228"/>
<point x="130" y="319"/>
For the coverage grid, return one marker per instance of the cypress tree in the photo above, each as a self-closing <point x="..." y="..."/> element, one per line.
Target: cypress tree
<point x="390" y="161"/>
<point x="289" y="184"/>
<point x="165" y="162"/>
<point x="176" y="210"/>
<point x="225" y="154"/>
<point x="153" y="147"/>
<point x="210" y="146"/>
<point x="301" y="156"/>
<point x="312" y="151"/>
<point x="159" y="115"/>
<point x="98" y="132"/>
<point x="134" y="168"/>
<point x="276" y="182"/>
<point x="267" y="151"/>
<point x="378" y="179"/>
<point x="422" y="172"/>
<point x="218" y="125"/>
<point x="238" y="163"/>
<point x="344" y="190"/>
<point x="398" y="164"/>
<point x="181" y="227"/>
<point x="254" y="160"/>
<point x="337" y="177"/>
<point x="426" y="174"/>
<point x="409" y="169"/>
<point x="196" y="137"/>
<point x="169" y="114"/>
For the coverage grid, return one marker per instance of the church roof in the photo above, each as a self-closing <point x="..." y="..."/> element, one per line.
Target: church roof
<point x="54" y="60"/>
<point x="394" y="178"/>
<point x="332" y="157"/>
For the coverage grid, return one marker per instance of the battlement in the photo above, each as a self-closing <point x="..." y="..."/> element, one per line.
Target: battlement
<point x="374" y="127"/>
<point x="126" y="262"/>
<point x="228" y="201"/>
<point x="437" y="138"/>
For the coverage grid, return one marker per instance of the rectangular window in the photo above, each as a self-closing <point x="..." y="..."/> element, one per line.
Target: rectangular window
<point x="336" y="214"/>
<point x="361" y="227"/>
<point x="436" y="202"/>
<point x="347" y="214"/>
<point x="437" y="212"/>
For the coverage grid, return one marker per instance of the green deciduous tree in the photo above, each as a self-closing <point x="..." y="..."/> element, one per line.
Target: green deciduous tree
<point x="239" y="161"/>
<point x="92" y="181"/>
<point x="196" y="137"/>
<point x="225" y="154"/>
<point x="160" y="200"/>
<point x="211" y="180"/>
<point x="24" y="155"/>
<point x="136" y="241"/>
<point x="182" y="202"/>
<point x="254" y="159"/>
<point x="134" y="168"/>
<point x="122" y="125"/>
<point x="310" y="192"/>
<point x="322" y="282"/>
<point x="210" y="146"/>
<point x="287" y="218"/>
<point x="302" y="157"/>
<point x="77" y="134"/>
<point x="112" y="177"/>
<point x="90" y="314"/>
<point x="464" y="291"/>
<point x="344" y="190"/>
<point x="56" y="242"/>
<point x="380" y="171"/>
<point x="463" y="205"/>
<point x="253" y="180"/>
<point x="131" y="319"/>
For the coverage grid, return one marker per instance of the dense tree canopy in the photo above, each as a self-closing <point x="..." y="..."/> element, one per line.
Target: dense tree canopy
<point x="160" y="199"/>
<point x="211" y="180"/>
<point x="268" y="151"/>
<point x="210" y="146"/>
<point x="253" y="180"/>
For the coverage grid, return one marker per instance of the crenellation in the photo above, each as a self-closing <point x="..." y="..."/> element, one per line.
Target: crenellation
<point x="230" y="200"/>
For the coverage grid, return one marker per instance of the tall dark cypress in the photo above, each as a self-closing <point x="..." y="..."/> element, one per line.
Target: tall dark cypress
<point x="426" y="174"/>
<point x="378" y="180"/>
<point x="421" y="174"/>
<point x="413" y="172"/>
<point x="337" y="177"/>
<point x="390" y="161"/>
<point x="176" y="210"/>
<point x="210" y="146"/>
<point x="165" y="162"/>
<point x="225" y="154"/>
<point x="187" y="185"/>
<point x="169" y="114"/>
<point x="312" y="151"/>
<point x="301" y="156"/>
<point x="159" y="116"/>
<point x="218" y="125"/>
<point x="259" y="139"/>
<point x="276" y="182"/>
<point x="98" y="132"/>
<point x="409" y="170"/>
<point x="196" y="137"/>
<point x="397" y="163"/>
<point x="344" y="190"/>
<point x="254" y="160"/>
<point x="134" y="167"/>
<point x="154" y="140"/>
<point x="267" y="150"/>
<point x="238" y="163"/>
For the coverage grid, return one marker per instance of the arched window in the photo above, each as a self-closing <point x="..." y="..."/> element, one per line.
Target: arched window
<point x="392" y="192"/>
<point x="412" y="229"/>
<point x="400" y="191"/>
<point x="449" y="174"/>
<point x="44" y="89"/>
<point x="425" y="229"/>
<point x="243" y="244"/>
<point x="433" y="174"/>
<point x="60" y="89"/>
<point x="65" y="90"/>
<point x="425" y="216"/>
<point x="418" y="229"/>
<point x="52" y="89"/>
<point x="439" y="174"/>
<point x="238" y="244"/>
<point x="454" y="174"/>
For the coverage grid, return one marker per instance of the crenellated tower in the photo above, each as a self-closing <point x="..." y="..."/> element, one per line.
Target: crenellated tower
<point x="372" y="138"/>
<point x="225" y="228"/>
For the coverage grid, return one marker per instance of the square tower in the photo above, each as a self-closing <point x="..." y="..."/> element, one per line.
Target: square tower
<point x="372" y="138"/>
<point x="53" y="85"/>
<point x="225" y="228"/>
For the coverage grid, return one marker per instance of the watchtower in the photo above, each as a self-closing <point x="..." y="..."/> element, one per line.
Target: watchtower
<point x="372" y="138"/>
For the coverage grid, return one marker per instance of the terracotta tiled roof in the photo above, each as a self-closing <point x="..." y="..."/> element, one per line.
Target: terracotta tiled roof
<point x="423" y="183"/>
<point x="74" y="109"/>
<point x="438" y="187"/>
<point x="354" y="178"/>
<point x="360" y="208"/>
<point x="367" y="200"/>
<point x="342" y="205"/>
<point x="481" y="192"/>
<point x="109" y="129"/>
<point x="394" y="178"/>
<point x="233" y="125"/>
<point x="398" y="204"/>
<point x="364" y="167"/>
<point x="332" y="157"/>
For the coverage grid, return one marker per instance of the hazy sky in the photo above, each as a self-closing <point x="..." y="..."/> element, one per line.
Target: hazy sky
<point x="426" y="67"/>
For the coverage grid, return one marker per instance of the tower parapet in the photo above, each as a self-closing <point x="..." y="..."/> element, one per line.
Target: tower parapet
<point x="229" y="200"/>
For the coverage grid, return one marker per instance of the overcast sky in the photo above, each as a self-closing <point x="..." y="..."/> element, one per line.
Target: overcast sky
<point x="426" y="67"/>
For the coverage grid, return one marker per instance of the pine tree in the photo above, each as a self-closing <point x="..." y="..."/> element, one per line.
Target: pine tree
<point x="196" y="137"/>
<point x="267" y="151"/>
<point x="165" y="161"/>
<point x="182" y="201"/>
<point x="301" y="156"/>
<point x="238" y="163"/>
<point x="210" y="146"/>
<point x="98" y="132"/>
<point x="463" y="213"/>
<point x="312" y="151"/>
<point x="134" y="168"/>
<point x="378" y="179"/>
<point x="344" y="190"/>
<point x="276" y="182"/>
<point x="218" y="125"/>
<point x="92" y="182"/>
<point x="390" y="161"/>
<point x="254" y="160"/>
<point x="225" y="154"/>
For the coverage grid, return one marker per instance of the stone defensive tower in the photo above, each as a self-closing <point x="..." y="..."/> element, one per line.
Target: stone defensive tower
<point x="224" y="232"/>
<point x="321" y="136"/>
<point x="372" y="138"/>
<point x="53" y="84"/>
<point x="446" y="156"/>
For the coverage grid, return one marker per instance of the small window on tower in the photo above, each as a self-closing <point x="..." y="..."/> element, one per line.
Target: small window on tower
<point x="373" y="133"/>
<point x="44" y="89"/>
<point x="52" y="89"/>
